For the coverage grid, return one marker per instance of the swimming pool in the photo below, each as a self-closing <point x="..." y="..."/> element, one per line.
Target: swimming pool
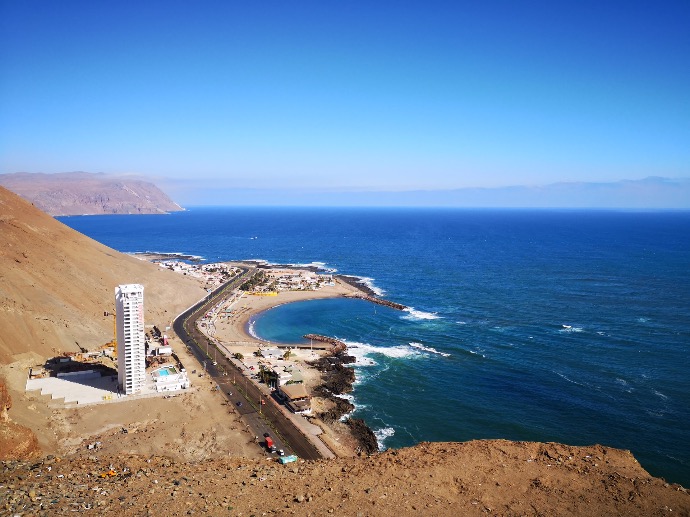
<point x="168" y="370"/>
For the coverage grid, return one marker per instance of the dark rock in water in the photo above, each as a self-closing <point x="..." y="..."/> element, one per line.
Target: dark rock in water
<point x="380" y="301"/>
<point x="365" y="436"/>
<point x="348" y="359"/>
<point x="357" y="283"/>
<point x="342" y="407"/>
<point x="338" y="346"/>
<point x="338" y="379"/>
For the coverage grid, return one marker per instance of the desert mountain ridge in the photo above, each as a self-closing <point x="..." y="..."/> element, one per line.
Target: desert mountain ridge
<point x="84" y="193"/>
<point x="55" y="285"/>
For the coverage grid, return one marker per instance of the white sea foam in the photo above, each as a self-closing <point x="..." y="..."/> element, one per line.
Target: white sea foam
<point x="414" y="314"/>
<point x="382" y="434"/>
<point x="567" y="378"/>
<point x="476" y="353"/>
<point x="321" y="266"/>
<point x="171" y="254"/>
<point x="569" y="329"/>
<point x="261" y="262"/>
<point x="660" y="395"/>
<point x="429" y="349"/>
<point x="351" y="400"/>
<point x="361" y="352"/>
<point x="461" y="322"/>
<point x="624" y="383"/>
<point x="252" y="330"/>
<point x="369" y="283"/>
<point x="346" y="396"/>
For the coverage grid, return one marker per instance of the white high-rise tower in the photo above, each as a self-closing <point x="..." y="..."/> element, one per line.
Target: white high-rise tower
<point x="131" y="350"/>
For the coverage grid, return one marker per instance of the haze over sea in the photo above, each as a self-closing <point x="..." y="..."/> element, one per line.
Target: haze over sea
<point x="567" y="326"/>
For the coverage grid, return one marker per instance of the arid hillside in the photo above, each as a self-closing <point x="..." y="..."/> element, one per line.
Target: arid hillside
<point x="55" y="285"/>
<point x="81" y="193"/>
<point x="440" y="479"/>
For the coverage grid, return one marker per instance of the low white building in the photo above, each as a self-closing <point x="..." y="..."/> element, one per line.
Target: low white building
<point x="272" y="353"/>
<point x="282" y="376"/>
<point x="169" y="378"/>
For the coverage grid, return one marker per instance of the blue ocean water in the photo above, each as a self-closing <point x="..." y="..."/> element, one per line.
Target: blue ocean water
<point x="568" y="326"/>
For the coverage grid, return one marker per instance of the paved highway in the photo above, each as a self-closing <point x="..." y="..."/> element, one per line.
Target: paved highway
<point x="236" y="388"/>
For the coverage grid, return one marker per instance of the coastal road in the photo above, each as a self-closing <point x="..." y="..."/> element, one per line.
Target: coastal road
<point x="234" y="382"/>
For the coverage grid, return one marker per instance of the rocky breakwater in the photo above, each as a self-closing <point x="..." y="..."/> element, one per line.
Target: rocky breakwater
<point x="379" y="301"/>
<point x="338" y="380"/>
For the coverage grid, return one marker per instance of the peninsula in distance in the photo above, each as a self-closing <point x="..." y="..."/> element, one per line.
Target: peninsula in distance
<point x="83" y="193"/>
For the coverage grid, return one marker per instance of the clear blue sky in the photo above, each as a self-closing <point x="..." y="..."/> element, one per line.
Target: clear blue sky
<point x="346" y="94"/>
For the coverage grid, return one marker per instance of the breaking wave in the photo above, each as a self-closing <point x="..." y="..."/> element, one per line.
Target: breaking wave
<point x="429" y="349"/>
<point x="382" y="434"/>
<point x="414" y="314"/>
<point x="361" y="352"/>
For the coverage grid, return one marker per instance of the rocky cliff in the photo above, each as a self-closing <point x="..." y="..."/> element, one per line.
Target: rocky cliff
<point x="83" y="193"/>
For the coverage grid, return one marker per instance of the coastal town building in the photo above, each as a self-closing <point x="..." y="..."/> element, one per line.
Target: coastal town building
<point x="170" y="378"/>
<point x="296" y="398"/>
<point x="213" y="274"/>
<point x="297" y="279"/>
<point x="131" y="351"/>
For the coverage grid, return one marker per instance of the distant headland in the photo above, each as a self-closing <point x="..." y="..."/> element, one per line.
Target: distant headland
<point x="85" y="193"/>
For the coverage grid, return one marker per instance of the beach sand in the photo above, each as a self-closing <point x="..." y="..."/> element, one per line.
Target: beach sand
<point x="231" y="332"/>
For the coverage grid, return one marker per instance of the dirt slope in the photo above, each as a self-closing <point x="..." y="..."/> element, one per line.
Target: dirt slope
<point x="55" y="284"/>
<point x="473" y="478"/>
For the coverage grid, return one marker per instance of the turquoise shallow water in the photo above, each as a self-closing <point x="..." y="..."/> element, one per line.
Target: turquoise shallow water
<point x="569" y="326"/>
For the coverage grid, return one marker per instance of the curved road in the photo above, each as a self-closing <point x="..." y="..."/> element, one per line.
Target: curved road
<point x="236" y="388"/>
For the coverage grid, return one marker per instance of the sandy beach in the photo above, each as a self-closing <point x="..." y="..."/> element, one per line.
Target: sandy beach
<point x="232" y="329"/>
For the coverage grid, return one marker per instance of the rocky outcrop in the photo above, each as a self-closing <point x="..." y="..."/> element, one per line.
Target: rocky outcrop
<point x="337" y="345"/>
<point x="16" y="441"/>
<point x="83" y="193"/>
<point x="363" y="434"/>
<point x="379" y="301"/>
<point x="337" y="380"/>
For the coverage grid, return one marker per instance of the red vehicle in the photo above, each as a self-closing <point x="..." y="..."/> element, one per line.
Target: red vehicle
<point x="269" y="444"/>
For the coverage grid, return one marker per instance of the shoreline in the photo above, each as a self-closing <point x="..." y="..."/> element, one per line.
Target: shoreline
<point x="234" y="329"/>
<point x="230" y="327"/>
<point x="228" y="323"/>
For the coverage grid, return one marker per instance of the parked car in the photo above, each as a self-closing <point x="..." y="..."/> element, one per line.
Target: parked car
<point x="239" y="403"/>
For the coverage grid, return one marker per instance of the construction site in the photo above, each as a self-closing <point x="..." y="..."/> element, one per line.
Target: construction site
<point x="91" y="377"/>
